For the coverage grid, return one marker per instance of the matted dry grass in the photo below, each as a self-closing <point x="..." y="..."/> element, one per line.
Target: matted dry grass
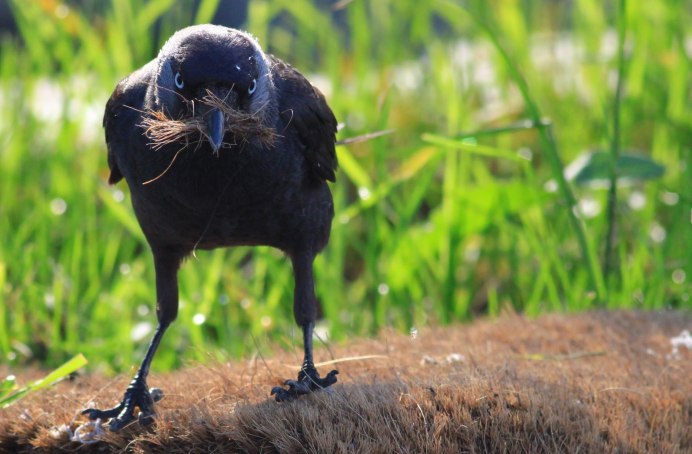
<point x="597" y="382"/>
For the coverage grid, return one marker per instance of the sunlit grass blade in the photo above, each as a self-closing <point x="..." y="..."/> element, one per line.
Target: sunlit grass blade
<point x="471" y="147"/>
<point x="206" y="10"/>
<point x="58" y="374"/>
<point x="353" y="169"/>
<point x="514" y="127"/>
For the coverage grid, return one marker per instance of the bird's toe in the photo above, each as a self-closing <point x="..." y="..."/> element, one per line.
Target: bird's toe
<point x="94" y="413"/>
<point x="121" y="421"/>
<point x="320" y="383"/>
<point x="136" y="396"/>
<point x="308" y="381"/>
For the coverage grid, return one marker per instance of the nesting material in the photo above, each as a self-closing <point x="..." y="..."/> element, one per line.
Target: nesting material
<point x="162" y="130"/>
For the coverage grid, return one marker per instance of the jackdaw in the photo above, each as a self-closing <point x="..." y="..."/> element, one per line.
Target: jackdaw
<point x="222" y="145"/>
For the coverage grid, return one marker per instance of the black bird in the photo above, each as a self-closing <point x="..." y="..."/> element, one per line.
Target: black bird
<point x="222" y="145"/>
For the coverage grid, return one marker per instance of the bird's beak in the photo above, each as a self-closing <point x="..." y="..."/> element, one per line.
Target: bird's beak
<point x="216" y="128"/>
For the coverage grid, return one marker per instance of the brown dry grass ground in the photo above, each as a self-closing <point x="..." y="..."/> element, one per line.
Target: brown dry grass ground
<point x="597" y="382"/>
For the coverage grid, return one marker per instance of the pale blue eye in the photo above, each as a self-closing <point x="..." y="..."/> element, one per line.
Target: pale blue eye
<point x="253" y="87"/>
<point x="179" y="81"/>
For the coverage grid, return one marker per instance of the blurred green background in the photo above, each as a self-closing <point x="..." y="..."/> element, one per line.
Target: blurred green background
<point x="510" y="120"/>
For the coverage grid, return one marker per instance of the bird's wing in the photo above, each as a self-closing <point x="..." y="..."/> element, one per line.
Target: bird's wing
<point x="304" y="110"/>
<point x="122" y="111"/>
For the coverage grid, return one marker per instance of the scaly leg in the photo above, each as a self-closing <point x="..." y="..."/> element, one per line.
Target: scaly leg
<point x="138" y="393"/>
<point x="305" y="312"/>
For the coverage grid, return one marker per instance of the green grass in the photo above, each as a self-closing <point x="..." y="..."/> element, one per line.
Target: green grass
<point x="10" y="392"/>
<point x="444" y="219"/>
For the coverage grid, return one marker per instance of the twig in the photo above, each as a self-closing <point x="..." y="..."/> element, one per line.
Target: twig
<point x="364" y="137"/>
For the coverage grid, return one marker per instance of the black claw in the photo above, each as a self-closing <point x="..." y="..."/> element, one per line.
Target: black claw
<point x="308" y="381"/>
<point x="327" y="381"/>
<point x="93" y="413"/>
<point x="137" y="395"/>
<point x="282" y="395"/>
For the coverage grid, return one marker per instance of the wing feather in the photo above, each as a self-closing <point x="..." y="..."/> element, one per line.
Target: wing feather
<point x="304" y="110"/>
<point x="125" y="102"/>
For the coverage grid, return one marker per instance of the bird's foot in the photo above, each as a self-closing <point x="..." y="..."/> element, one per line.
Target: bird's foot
<point x="136" y="395"/>
<point x="308" y="381"/>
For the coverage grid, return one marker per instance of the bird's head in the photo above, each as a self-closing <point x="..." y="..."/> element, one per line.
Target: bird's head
<point x="211" y="81"/>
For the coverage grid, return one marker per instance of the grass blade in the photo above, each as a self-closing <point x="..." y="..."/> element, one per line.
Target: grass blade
<point x="615" y="144"/>
<point x="58" y="374"/>
<point x="471" y="147"/>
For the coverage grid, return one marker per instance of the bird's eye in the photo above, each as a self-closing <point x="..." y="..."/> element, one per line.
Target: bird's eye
<point x="253" y="87"/>
<point x="179" y="81"/>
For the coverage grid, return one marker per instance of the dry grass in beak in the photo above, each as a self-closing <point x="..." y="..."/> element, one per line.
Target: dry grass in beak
<point x="245" y="127"/>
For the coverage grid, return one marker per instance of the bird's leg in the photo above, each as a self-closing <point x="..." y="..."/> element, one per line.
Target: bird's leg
<point x="308" y="378"/>
<point x="304" y="309"/>
<point x="137" y="393"/>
